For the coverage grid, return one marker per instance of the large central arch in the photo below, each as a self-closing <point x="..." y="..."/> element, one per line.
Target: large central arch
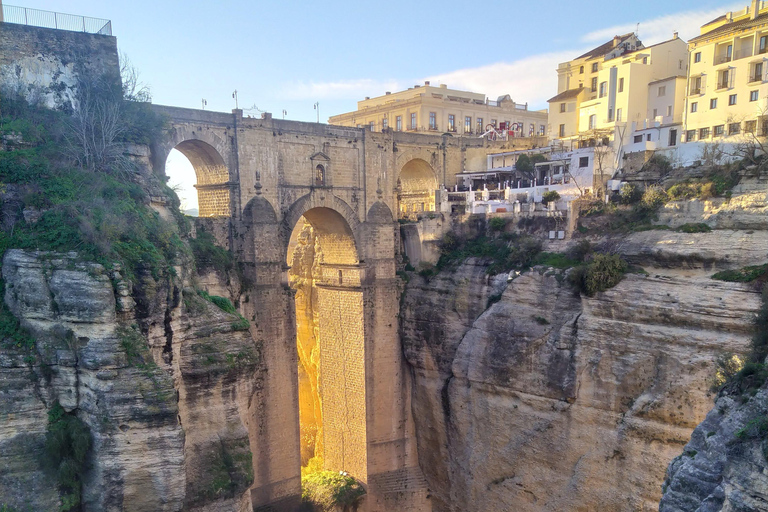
<point x="325" y="274"/>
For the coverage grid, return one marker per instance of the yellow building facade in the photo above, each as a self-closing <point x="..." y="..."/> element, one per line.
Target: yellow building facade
<point x="430" y="109"/>
<point x="728" y="78"/>
<point x="609" y="88"/>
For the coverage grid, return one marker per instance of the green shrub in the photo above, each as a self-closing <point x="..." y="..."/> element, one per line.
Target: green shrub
<point x="554" y="259"/>
<point x="550" y="196"/>
<point x="654" y="198"/>
<point x="326" y="490"/>
<point x="698" y="227"/>
<point x="497" y="224"/>
<point x="210" y="256"/>
<point x="682" y="191"/>
<point x="222" y="303"/>
<point x="67" y="442"/>
<point x="580" y="251"/>
<point x="742" y="275"/>
<point x="630" y="194"/>
<point x="603" y="272"/>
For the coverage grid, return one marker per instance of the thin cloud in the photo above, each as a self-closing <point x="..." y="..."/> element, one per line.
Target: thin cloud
<point x="531" y="80"/>
<point x="660" y="29"/>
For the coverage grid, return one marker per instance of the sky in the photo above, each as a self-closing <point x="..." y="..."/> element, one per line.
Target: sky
<point x="288" y="55"/>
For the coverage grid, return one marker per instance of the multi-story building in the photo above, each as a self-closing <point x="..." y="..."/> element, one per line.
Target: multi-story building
<point x="728" y="77"/>
<point x="438" y="110"/>
<point x="606" y="90"/>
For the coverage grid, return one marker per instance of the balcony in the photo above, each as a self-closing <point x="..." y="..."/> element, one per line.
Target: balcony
<point x="755" y="78"/>
<point x="695" y="91"/>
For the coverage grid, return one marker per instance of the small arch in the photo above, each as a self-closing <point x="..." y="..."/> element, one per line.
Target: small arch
<point x="212" y="176"/>
<point x="380" y="213"/>
<point x="416" y="186"/>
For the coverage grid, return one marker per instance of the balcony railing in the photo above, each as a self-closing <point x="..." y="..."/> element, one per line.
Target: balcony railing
<point x="695" y="90"/>
<point x="56" y="20"/>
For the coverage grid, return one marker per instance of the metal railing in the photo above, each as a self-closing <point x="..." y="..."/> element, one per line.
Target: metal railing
<point x="56" y="20"/>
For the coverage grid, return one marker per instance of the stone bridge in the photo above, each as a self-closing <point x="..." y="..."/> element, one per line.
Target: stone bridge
<point x="264" y="182"/>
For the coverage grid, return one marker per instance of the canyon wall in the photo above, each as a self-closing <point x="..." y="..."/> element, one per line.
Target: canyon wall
<point x="166" y="382"/>
<point x="535" y="398"/>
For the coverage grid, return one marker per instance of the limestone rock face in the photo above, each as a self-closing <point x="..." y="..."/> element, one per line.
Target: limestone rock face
<point x="550" y="401"/>
<point x="723" y="467"/>
<point x="165" y="384"/>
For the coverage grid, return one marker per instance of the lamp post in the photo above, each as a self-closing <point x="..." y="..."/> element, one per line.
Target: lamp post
<point x="317" y="107"/>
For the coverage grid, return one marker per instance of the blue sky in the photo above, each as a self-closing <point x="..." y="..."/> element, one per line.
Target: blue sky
<point x="287" y="55"/>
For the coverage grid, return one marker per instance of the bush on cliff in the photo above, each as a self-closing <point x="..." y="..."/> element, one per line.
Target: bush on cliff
<point x="67" y="442"/>
<point x="324" y="491"/>
<point x="603" y="272"/>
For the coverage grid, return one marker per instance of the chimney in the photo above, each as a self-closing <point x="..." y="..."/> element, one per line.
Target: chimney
<point x="729" y="17"/>
<point x="387" y="93"/>
<point x="616" y="40"/>
<point x="443" y="86"/>
<point x="755" y="9"/>
<point x="426" y="82"/>
<point x="674" y="35"/>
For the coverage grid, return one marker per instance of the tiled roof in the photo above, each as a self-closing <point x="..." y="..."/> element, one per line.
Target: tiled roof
<point x="566" y="95"/>
<point x="604" y="48"/>
<point x="732" y="27"/>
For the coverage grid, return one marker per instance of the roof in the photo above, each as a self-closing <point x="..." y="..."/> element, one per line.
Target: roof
<point x="605" y="47"/>
<point x="672" y="77"/>
<point x="732" y="27"/>
<point x="567" y="95"/>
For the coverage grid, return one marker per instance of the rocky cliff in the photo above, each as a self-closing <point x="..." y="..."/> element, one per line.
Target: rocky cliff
<point x="548" y="400"/>
<point x="163" y="379"/>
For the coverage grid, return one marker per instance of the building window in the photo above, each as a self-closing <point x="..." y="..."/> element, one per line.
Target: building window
<point x="732" y="99"/>
<point x="542" y="129"/>
<point x="621" y="84"/>
<point x="451" y="123"/>
<point x="638" y="138"/>
<point x="562" y="131"/>
<point x="753" y="95"/>
<point x="603" y="89"/>
<point x="610" y="114"/>
<point x="594" y="67"/>
<point x="432" y="121"/>
<point x="750" y="126"/>
<point x="619" y="114"/>
<point x="480" y="128"/>
<point x="562" y="108"/>
<point x="696" y="85"/>
<point x="493" y="123"/>
<point x="592" y="122"/>
<point x="384" y="124"/>
<point x="594" y="84"/>
<point x="648" y="137"/>
<point x="723" y="79"/>
<point x="703" y="133"/>
<point x="581" y="70"/>
<point x="662" y="90"/>
<point x="697" y="57"/>
<point x="690" y="135"/>
<point x="669" y="110"/>
<point x="320" y="176"/>
<point x="467" y="124"/>
<point x="757" y="72"/>
<point x="645" y="60"/>
<point x="713" y="103"/>
<point x="583" y="161"/>
<point x="531" y="130"/>
<point x="399" y="123"/>
<point x="373" y="126"/>
<point x="734" y="128"/>
<point x="763" y="44"/>
<point x="694" y="106"/>
<point x="413" y="121"/>
<point x="719" y="130"/>
<point x="655" y="113"/>
<point x="672" y="137"/>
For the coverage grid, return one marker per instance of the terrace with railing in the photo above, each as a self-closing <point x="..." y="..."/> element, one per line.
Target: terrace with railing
<point x="55" y="20"/>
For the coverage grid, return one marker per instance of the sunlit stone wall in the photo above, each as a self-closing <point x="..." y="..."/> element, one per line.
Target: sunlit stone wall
<point x="342" y="379"/>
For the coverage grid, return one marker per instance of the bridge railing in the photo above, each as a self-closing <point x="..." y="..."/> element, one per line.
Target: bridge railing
<point x="57" y="20"/>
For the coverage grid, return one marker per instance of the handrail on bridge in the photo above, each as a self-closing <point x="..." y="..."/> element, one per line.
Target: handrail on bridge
<point x="57" y="20"/>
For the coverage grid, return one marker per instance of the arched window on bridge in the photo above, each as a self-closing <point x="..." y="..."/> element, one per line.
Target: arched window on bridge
<point x="416" y="188"/>
<point x="319" y="176"/>
<point x="198" y="173"/>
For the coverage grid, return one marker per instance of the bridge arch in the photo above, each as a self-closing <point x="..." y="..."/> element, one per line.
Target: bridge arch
<point x="325" y="274"/>
<point x="416" y="186"/>
<point x="212" y="174"/>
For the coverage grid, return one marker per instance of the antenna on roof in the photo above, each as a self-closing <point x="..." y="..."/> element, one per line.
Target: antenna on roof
<point x="637" y="30"/>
